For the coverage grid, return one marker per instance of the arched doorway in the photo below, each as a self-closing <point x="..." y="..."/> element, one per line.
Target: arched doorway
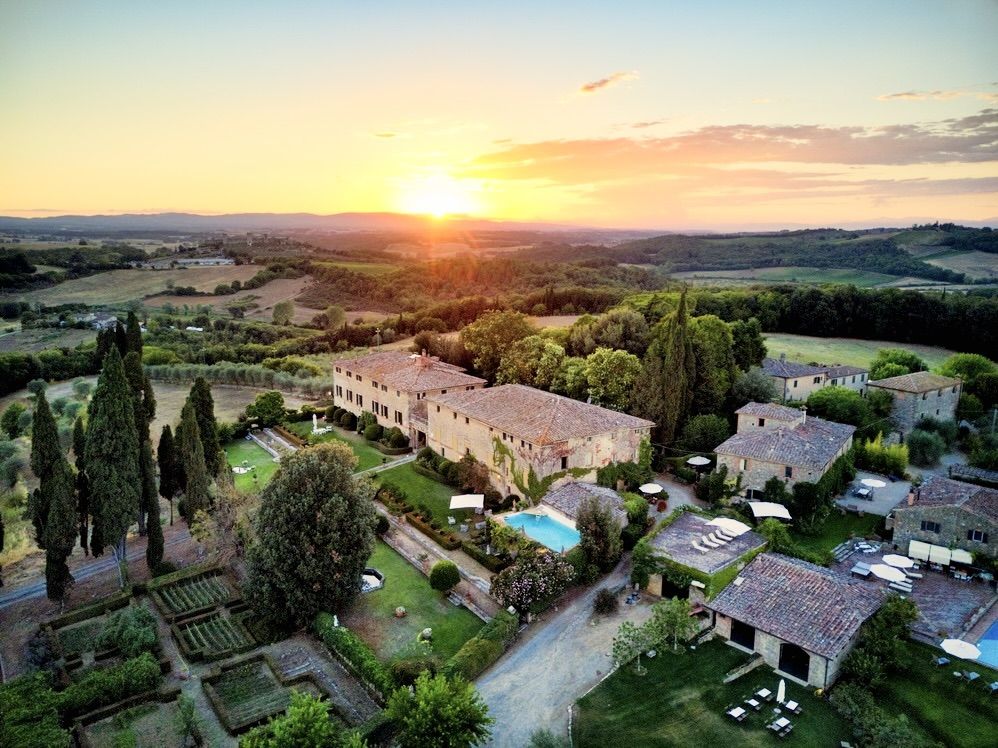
<point x="794" y="661"/>
<point x="743" y="634"/>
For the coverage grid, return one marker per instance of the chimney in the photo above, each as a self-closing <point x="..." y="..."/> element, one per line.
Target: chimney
<point x="911" y="498"/>
<point x="783" y="357"/>
<point x="803" y="410"/>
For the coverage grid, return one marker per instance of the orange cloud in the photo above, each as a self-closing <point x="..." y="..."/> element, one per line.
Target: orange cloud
<point x="610" y="80"/>
<point x="938" y="95"/>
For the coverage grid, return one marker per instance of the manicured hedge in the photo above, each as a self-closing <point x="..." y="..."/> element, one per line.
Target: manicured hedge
<point x="483" y="649"/>
<point x="29" y="714"/>
<point x="447" y="540"/>
<point x="102" y="606"/>
<point x="495" y="564"/>
<point x="359" y="658"/>
<point x="187" y="571"/>
<point x="98" y="688"/>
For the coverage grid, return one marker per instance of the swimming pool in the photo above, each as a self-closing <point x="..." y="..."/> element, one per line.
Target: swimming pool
<point x="989" y="646"/>
<point x="544" y="529"/>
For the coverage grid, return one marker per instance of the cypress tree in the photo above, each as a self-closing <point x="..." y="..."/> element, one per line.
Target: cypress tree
<point x="166" y="456"/>
<point x="1" y="543"/>
<point x="105" y="340"/>
<point x="112" y="455"/>
<point x="133" y="335"/>
<point x="204" y="411"/>
<point x="192" y="459"/>
<point x="60" y="528"/>
<point x="45" y="456"/>
<point x="154" y="528"/>
<point x="82" y="484"/>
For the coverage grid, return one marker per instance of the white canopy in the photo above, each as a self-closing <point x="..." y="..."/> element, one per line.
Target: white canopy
<point x="873" y="483"/>
<point x="960" y="648"/>
<point x="939" y="555"/>
<point x="960" y="556"/>
<point x="901" y="562"/>
<point x="650" y="488"/>
<point x="698" y="461"/>
<point x="887" y="572"/>
<point x="467" y="501"/>
<point x="919" y="549"/>
<point x="769" y="509"/>
<point x="731" y="527"/>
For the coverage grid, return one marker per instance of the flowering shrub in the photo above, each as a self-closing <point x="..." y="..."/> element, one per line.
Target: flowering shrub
<point x="532" y="579"/>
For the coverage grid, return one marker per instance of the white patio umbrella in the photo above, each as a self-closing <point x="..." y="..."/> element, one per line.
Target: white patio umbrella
<point x="781" y="691"/>
<point x="731" y="527"/>
<point x="873" y="483"/>
<point x="650" y="488"/>
<point x="960" y="648"/>
<point x="887" y="572"/>
<point x="698" y="461"/>
<point x="897" y="561"/>
<point x="467" y="501"/>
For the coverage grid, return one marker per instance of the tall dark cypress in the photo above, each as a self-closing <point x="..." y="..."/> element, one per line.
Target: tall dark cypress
<point x="154" y="528"/>
<point x="105" y="339"/>
<point x="112" y="455"/>
<point x="82" y="484"/>
<point x="204" y="411"/>
<point x="45" y="455"/>
<point x="133" y="335"/>
<point x="121" y="339"/>
<point x="191" y="455"/>
<point x="166" y="456"/>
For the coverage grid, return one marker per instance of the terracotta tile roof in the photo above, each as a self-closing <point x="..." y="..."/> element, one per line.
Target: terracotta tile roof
<point x="812" y="443"/>
<point x="568" y="498"/>
<point x="777" y="367"/>
<point x="534" y="415"/>
<point x="676" y="542"/>
<point x="799" y="602"/>
<point x="940" y="491"/>
<point x="834" y="372"/>
<point x="919" y="381"/>
<point x="408" y="372"/>
<point x="771" y="411"/>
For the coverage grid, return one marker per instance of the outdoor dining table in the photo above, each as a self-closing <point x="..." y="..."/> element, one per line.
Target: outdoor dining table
<point x="781" y="723"/>
<point x="754" y="704"/>
<point x="764" y="693"/>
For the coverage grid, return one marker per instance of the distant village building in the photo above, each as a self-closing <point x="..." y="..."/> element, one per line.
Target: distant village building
<point x="948" y="513"/>
<point x="393" y="384"/>
<point x="205" y="261"/>
<point x="919" y="395"/>
<point x="796" y="381"/>
<point x="802" y="618"/>
<point x="774" y="441"/>
<point x="98" y="320"/>
<point x="516" y="430"/>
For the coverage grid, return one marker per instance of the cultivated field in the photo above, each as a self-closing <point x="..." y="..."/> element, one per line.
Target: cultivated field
<point x="806" y="275"/>
<point x="367" y="268"/>
<point x="850" y="351"/>
<point x="262" y="300"/>
<point x="37" y="339"/>
<point x="974" y="264"/>
<point x="555" y="320"/>
<point x="121" y="286"/>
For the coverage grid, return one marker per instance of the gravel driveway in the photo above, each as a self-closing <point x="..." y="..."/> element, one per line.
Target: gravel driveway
<point x="557" y="660"/>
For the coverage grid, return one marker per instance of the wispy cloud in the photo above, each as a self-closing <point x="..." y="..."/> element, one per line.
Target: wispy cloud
<point x="647" y="123"/>
<point x="610" y="80"/>
<point x="386" y="134"/>
<point x="938" y="95"/>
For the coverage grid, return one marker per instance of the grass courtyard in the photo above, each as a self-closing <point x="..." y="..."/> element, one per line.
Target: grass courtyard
<point x="372" y="616"/>
<point x="837" y="528"/>
<point x="367" y="456"/>
<point x="245" y="453"/>
<point x="422" y="490"/>
<point x="682" y="701"/>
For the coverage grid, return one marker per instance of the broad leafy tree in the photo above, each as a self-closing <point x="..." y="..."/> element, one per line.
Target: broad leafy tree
<point x="629" y="644"/>
<point x="748" y="344"/>
<point x="112" y="455"/>
<point x="491" y="336"/>
<point x="439" y="712"/>
<point x="599" y="534"/>
<point x="305" y="724"/>
<point x="621" y="329"/>
<point x="284" y="312"/>
<point x="754" y="386"/>
<point x="10" y="421"/>
<point x="893" y="362"/>
<point x="314" y="537"/>
<point x="533" y="361"/>
<point x="703" y="433"/>
<point x="670" y="622"/>
<point x="267" y="409"/>
<point x="715" y="368"/>
<point x="610" y="376"/>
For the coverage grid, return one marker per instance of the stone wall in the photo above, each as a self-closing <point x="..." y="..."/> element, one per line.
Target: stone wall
<point x="821" y="672"/>
<point x="756" y="472"/>
<point x="954" y="523"/>
<point x="911" y="407"/>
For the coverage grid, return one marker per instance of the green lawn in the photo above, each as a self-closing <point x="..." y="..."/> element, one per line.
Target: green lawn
<point x="682" y="702"/>
<point x="422" y="490"/>
<point x="367" y="456"/>
<point x="951" y="711"/>
<point x="789" y="274"/>
<point x="244" y="452"/>
<point x="372" y="616"/>
<point x="839" y="527"/>
<point x="849" y="351"/>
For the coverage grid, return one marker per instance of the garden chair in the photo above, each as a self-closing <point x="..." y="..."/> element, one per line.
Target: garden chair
<point x="451" y="521"/>
<point x="940" y="661"/>
<point x="993" y="687"/>
<point x="792" y="706"/>
<point x="971" y="676"/>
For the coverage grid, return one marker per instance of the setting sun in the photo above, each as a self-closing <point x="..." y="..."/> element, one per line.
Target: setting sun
<point x="439" y="195"/>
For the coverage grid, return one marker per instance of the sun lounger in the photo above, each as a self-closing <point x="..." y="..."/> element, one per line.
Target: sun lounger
<point x="912" y="574"/>
<point x="792" y="706"/>
<point x="971" y="676"/>
<point x="754" y="704"/>
<point x="737" y="714"/>
<point x="940" y="661"/>
<point x="900" y="587"/>
<point x="451" y="521"/>
<point x="722" y="536"/>
<point x="708" y="543"/>
<point x="700" y="547"/>
<point x="993" y="687"/>
<point x="717" y="540"/>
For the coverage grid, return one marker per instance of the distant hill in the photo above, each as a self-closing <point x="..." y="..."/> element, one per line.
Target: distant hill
<point x="872" y="250"/>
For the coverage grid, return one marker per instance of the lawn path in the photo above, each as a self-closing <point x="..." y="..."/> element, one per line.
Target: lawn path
<point x="557" y="661"/>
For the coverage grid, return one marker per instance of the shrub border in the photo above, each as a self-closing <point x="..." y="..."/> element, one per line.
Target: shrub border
<point x="163" y="696"/>
<point x="448" y="542"/>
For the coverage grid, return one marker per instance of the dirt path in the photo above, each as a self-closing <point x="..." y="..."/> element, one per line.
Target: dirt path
<point x="558" y="660"/>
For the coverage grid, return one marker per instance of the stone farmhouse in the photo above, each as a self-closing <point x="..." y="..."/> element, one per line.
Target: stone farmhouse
<point x="949" y="513"/>
<point x="802" y="618"/>
<point x="567" y="499"/>
<point x="777" y="441"/>
<point x="393" y="384"/>
<point x="797" y="381"/>
<point x="519" y="432"/>
<point x="918" y="395"/>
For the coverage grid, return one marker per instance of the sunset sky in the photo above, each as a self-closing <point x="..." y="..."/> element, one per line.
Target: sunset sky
<point x="657" y="115"/>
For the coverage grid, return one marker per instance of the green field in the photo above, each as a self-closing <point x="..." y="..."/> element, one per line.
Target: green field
<point x="682" y="702"/>
<point x="367" y="456"/>
<point x="422" y="490"/>
<point x="367" y="268"/>
<point x="850" y="351"/>
<point x="372" y="616"/>
<point x="809" y="275"/>
<point x="250" y="454"/>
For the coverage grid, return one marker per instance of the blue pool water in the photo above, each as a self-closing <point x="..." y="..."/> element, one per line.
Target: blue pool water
<point x="989" y="646"/>
<point x="543" y="529"/>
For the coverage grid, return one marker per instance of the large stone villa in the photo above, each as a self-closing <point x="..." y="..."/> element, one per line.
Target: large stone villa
<point x="777" y="441"/>
<point x="515" y="429"/>
<point x="919" y="395"/>
<point x="802" y="618"/>
<point x="796" y="381"/>
<point x="393" y="384"/>
<point x="950" y="514"/>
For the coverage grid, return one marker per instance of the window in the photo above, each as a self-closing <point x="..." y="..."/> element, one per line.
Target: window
<point x="443" y="392"/>
<point x="398" y="417"/>
<point x="978" y="536"/>
<point x="360" y="378"/>
<point x="788" y="472"/>
<point x="466" y="389"/>
<point x="742" y="464"/>
<point x="374" y="384"/>
<point x="398" y="393"/>
<point x="384" y="388"/>
<point x="339" y="370"/>
<point x="384" y="411"/>
<point x="376" y="407"/>
<point x="937" y="411"/>
<point x="817" y="380"/>
<point x="564" y="463"/>
<point x="349" y="375"/>
<point x="467" y="451"/>
<point x="443" y="452"/>
<point x="928" y="526"/>
<point x="835" y="382"/>
<point x="455" y="416"/>
<point x="853" y="378"/>
<point x="862" y="377"/>
<point x="350" y="396"/>
<point x="530" y="447"/>
<point x="939" y="394"/>
<point x="360" y="400"/>
<point x="522" y="444"/>
<point x="467" y="420"/>
<point x="339" y="391"/>
<point x="438" y="409"/>
<point x="795" y="383"/>
<point x="762" y="422"/>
